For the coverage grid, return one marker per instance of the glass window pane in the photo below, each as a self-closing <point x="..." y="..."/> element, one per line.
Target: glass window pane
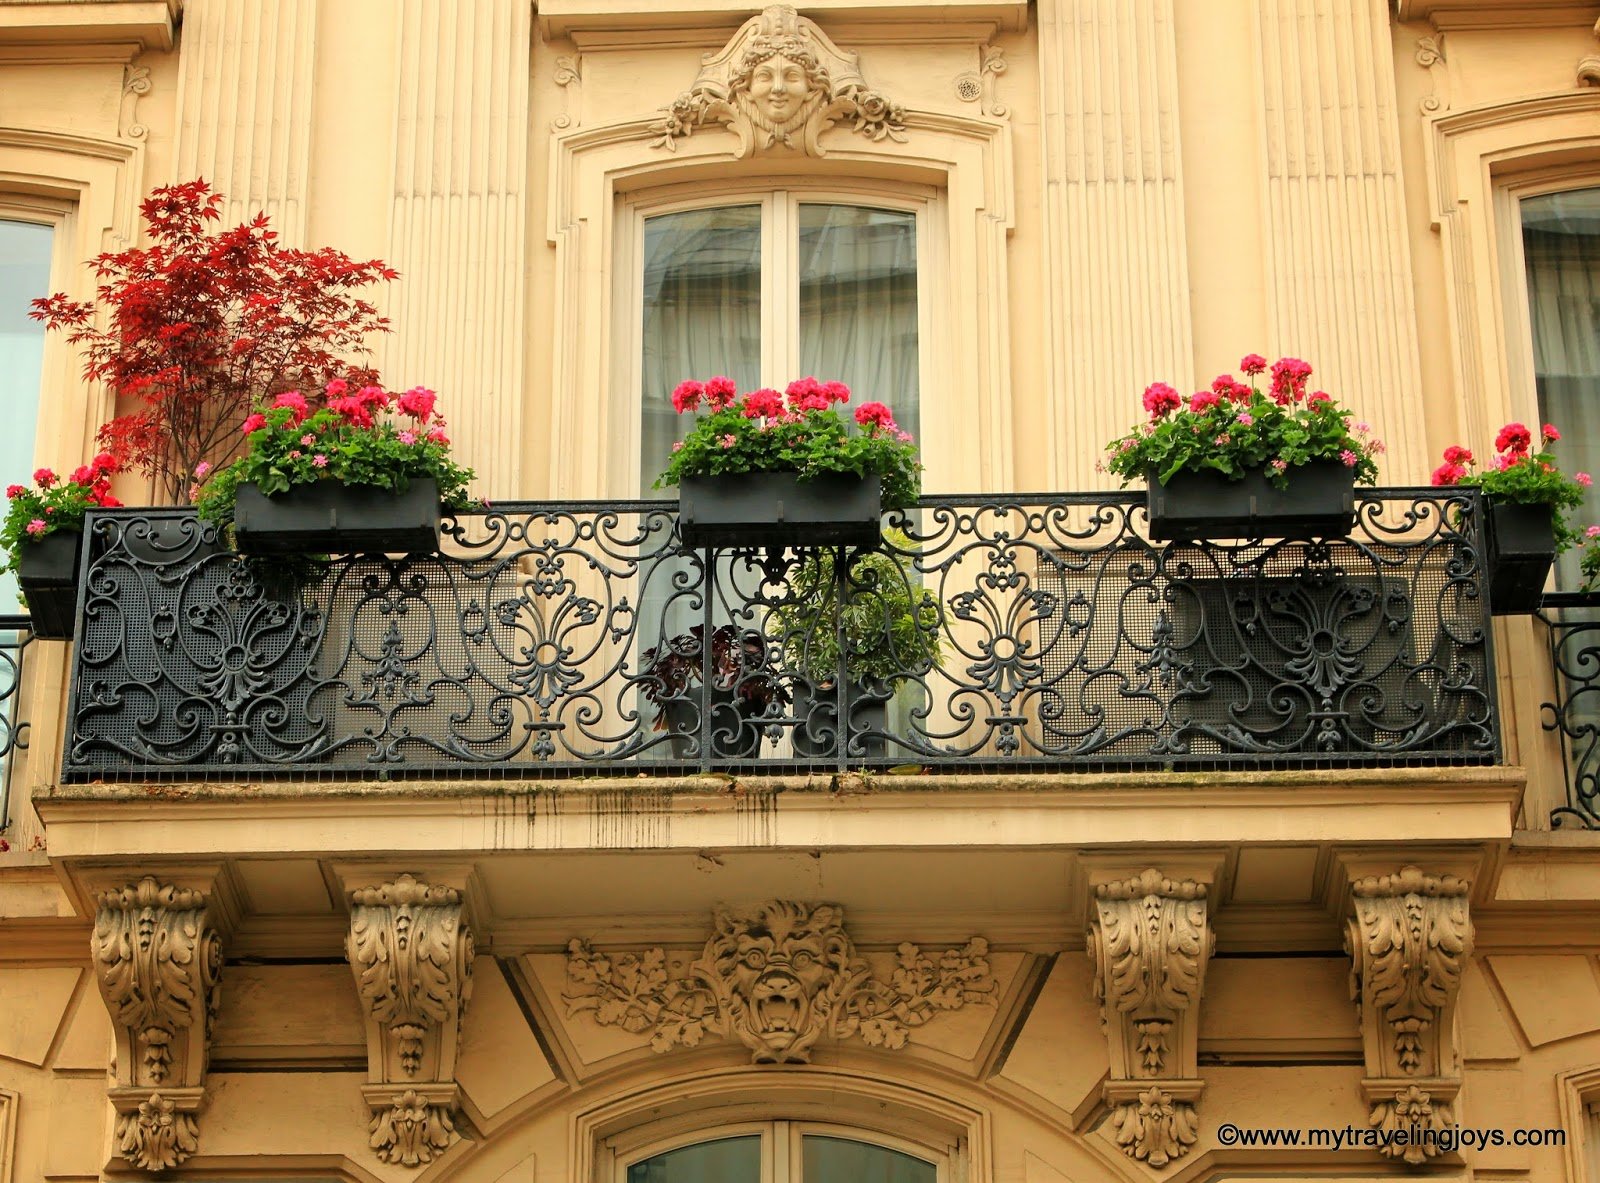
<point x="858" y="304"/>
<point x="1561" y="241"/>
<point x="728" y="1160"/>
<point x="702" y="314"/>
<point x="24" y="276"/>
<point x="839" y="1160"/>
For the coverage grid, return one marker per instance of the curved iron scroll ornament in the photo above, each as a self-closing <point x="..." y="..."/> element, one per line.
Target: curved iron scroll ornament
<point x="780" y="82"/>
<point x="1064" y="639"/>
<point x="776" y="978"/>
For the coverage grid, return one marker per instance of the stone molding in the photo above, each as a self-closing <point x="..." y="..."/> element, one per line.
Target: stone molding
<point x="158" y="961"/>
<point x="734" y="89"/>
<point x="411" y="953"/>
<point x="776" y="977"/>
<point x="1149" y="940"/>
<point x="1409" y="940"/>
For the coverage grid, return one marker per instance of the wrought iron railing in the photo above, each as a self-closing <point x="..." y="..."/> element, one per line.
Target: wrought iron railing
<point x="1573" y="620"/>
<point x="15" y="637"/>
<point x="1001" y="632"/>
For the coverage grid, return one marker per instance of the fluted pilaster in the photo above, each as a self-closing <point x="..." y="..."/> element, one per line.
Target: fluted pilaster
<point x="1113" y="198"/>
<point x="457" y="222"/>
<point x="1338" y="261"/>
<point x="244" y="106"/>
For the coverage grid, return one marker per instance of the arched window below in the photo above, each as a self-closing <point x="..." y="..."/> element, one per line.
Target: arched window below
<point x="782" y="1152"/>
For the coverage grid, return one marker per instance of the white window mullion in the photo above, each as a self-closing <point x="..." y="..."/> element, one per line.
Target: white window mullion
<point x="785" y="1153"/>
<point x="781" y="324"/>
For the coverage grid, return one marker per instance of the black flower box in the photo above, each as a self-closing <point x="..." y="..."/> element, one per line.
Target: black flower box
<point x="48" y="575"/>
<point x="335" y="518"/>
<point x="1318" y="503"/>
<point x="769" y="509"/>
<point x="1519" y="549"/>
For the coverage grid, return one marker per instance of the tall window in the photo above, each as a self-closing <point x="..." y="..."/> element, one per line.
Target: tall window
<point x="24" y="276"/>
<point x="1561" y="245"/>
<point x="774" y="290"/>
<point x="783" y="1152"/>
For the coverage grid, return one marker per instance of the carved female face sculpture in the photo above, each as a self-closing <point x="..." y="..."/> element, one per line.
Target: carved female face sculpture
<point x="779" y="88"/>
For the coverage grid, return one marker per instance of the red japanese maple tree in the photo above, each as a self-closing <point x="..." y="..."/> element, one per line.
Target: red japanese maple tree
<point x="202" y="326"/>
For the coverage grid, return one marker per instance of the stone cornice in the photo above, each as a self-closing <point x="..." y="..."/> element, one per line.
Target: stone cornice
<point x="1448" y="15"/>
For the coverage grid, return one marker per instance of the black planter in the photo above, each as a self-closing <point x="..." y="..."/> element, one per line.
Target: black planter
<point x="732" y="736"/>
<point x="335" y="518"/>
<point x="1319" y="503"/>
<point x="48" y="575"/>
<point x="770" y="509"/>
<point x="1519" y="549"/>
<point x="816" y="731"/>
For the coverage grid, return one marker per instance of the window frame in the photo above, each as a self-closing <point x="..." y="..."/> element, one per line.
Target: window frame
<point x="779" y="199"/>
<point x="782" y="1148"/>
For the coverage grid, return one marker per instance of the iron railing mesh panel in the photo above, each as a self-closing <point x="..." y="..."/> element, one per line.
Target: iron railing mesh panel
<point x="1573" y="619"/>
<point x="564" y="638"/>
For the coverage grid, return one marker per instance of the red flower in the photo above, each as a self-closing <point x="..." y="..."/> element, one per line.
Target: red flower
<point x="1456" y="454"/>
<point x="687" y="396"/>
<point x="1204" y="400"/>
<point x="1513" y="437"/>
<point x="1289" y="376"/>
<point x="837" y="392"/>
<point x="15" y="491"/>
<point x="43" y="477"/>
<point x="765" y="403"/>
<point x="1159" y="398"/>
<point x="802" y="389"/>
<point x="82" y="475"/>
<point x="720" y="392"/>
<point x="1551" y="435"/>
<point x="875" y="415"/>
<point x="296" y="402"/>
<point x="1252" y="363"/>
<point x="1448" y="474"/>
<point x="254" y="422"/>
<point x="418" y="402"/>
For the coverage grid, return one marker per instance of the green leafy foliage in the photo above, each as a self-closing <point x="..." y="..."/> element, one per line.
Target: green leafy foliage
<point x="1235" y="429"/>
<point x="804" y="434"/>
<point x="364" y="438"/>
<point x="889" y="624"/>
<point x="1521" y="476"/>
<point x="54" y="505"/>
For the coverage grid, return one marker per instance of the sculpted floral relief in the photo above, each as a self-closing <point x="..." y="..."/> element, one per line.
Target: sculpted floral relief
<point x="776" y="978"/>
<point x="780" y="82"/>
<point x="411" y="953"/>
<point x="1409" y="943"/>
<point x="157" y="963"/>
<point x="1149" y="940"/>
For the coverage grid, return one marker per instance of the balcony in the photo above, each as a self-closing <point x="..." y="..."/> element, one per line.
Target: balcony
<point x="1012" y="633"/>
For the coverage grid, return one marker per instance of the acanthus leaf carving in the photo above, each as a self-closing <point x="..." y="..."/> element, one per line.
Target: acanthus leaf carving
<point x="158" y="964"/>
<point x="776" y="977"/>
<point x="780" y="82"/>
<point x="157" y="1135"/>
<point x="1149" y="941"/>
<point x="411" y="954"/>
<point x="1409" y="941"/>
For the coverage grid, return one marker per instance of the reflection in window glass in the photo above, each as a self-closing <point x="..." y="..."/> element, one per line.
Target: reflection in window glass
<point x="24" y="276"/>
<point x="702" y="315"/>
<point x="838" y="1160"/>
<point x="858" y="303"/>
<point x="1561" y="242"/>
<point x="729" y="1160"/>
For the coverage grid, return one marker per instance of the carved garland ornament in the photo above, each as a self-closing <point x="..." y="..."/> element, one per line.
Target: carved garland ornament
<point x="412" y="959"/>
<point x="775" y="977"/>
<point x="158" y="963"/>
<point x="1149" y="940"/>
<point x="1409" y="943"/>
<point x="779" y="83"/>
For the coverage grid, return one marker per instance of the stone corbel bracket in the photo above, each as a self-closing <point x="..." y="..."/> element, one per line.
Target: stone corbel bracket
<point x="158" y="963"/>
<point x="1409" y="941"/>
<point x="1149" y="941"/>
<point x="411" y="951"/>
<point x="780" y="83"/>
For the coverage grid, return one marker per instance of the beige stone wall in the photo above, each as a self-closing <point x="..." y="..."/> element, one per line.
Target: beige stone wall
<point x="1129" y="190"/>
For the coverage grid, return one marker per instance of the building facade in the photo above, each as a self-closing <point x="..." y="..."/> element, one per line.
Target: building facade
<point x="389" y="877"/>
